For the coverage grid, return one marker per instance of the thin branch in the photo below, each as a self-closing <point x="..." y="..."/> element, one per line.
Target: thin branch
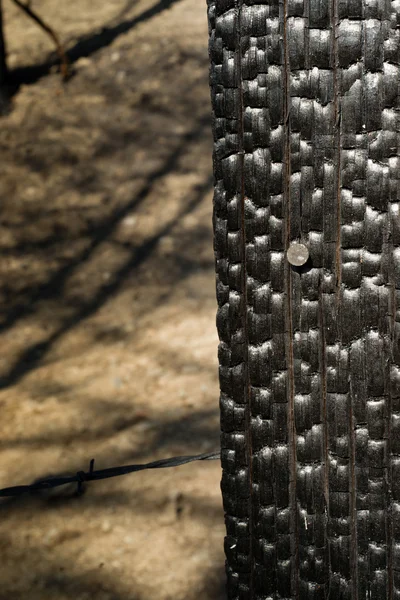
<point x="26" y="8"/>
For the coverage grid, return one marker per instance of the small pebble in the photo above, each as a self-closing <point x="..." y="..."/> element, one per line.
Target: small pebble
<point x="106" y="526"/>
<point x="129" y="221"/>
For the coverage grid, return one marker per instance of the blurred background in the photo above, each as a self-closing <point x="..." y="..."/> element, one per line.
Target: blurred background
<point x="107" y="321"/>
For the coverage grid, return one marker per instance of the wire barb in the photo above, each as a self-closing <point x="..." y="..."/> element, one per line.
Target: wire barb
<point x="81" y="477"/>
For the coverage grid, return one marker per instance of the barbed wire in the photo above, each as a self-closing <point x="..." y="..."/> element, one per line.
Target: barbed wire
<point x="81" y="476"/>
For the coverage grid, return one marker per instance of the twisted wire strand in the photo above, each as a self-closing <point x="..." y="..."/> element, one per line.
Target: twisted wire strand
<point x="81" y="476"/>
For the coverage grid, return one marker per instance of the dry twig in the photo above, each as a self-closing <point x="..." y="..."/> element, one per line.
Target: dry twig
<point x="26" y="8"/>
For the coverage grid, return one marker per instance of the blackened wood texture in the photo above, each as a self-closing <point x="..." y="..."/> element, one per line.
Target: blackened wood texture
<point x="305" y="97"/>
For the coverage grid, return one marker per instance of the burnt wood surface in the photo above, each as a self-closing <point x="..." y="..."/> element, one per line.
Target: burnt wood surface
<point x="305" y="97"/>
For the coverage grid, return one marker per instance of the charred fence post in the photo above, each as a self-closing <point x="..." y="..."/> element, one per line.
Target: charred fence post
<point x="305" y="98"/>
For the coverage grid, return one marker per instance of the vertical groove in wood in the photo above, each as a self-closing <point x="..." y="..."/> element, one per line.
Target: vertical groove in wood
<point x="292" y="440"/>
<point x="336" y="101"/>
<point x="247" y="399"/>
<point x="353" y="507"/>
<point x="391" y="326"/>
<point x="324" y="417"/>
<point x="394" y="376"/>
<point x="389" y="523"/>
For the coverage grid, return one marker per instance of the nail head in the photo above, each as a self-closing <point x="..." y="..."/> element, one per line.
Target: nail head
<point x="297" y="254"/>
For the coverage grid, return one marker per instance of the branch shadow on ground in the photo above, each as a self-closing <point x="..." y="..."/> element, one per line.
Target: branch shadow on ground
<point x="187" y="433"/>
<point x="100" y="232"/>
<point x="33" y="354"/>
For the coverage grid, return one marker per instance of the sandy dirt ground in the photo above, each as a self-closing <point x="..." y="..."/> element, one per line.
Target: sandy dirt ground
<point x="107" y="320"/>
